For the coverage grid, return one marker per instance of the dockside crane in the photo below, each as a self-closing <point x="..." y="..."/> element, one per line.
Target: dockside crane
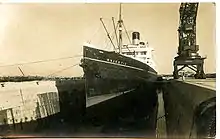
<point x="188" y="55"/>
<point x="204" y="119"/>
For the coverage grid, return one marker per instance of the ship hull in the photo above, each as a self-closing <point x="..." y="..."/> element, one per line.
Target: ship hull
<point x="110" y="72"/>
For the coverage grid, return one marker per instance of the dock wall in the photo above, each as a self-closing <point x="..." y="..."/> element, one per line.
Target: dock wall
<point x="181" y="101"/>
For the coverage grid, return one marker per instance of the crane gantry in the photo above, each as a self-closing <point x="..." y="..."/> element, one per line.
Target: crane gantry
<point x="188" y="49"/>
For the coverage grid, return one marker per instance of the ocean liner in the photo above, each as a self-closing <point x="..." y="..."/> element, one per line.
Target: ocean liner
<point x="126" y="67"/>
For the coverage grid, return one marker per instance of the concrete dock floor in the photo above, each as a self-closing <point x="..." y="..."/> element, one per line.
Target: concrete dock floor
<point x="209" y="83"/>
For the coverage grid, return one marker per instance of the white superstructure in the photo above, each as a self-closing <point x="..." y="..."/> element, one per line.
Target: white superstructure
<point x="140" y="51"/>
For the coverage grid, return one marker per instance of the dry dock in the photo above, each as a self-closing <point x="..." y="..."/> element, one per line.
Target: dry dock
<point x="166" y="109"/>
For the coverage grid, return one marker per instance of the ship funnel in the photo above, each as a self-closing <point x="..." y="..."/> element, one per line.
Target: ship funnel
<point x="135" y="38"/>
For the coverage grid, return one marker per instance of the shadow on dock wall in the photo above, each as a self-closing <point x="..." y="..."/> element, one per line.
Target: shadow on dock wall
<point x="72" y="100"/>
<point x="29" y="128"/>
<point x="133" y="112"/>
<point x="184" y="103"/>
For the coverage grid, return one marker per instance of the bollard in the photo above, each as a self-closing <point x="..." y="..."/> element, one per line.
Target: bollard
<point x="183" y="77"/>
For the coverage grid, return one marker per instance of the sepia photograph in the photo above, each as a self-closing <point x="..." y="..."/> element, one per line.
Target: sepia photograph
<point x="108" y="69"/>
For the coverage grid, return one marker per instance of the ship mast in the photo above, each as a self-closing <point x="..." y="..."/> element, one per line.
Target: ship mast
<point x="120" y="22"/>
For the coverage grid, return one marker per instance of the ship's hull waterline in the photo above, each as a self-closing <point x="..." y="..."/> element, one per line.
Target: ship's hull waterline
<point x="107" y="72"/>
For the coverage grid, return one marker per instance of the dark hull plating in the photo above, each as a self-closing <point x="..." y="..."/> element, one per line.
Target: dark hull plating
<point x="110" y="72"/>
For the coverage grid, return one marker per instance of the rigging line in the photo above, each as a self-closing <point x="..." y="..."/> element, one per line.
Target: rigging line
<point x="115" y="30"/>
<point x="108" y="44"/>
<point x="40" y="61"/>
<point x="107" y="33"/>
<point x="127" y="36"/>
<point x="99" y="41"/>
<point x="63" y="69"/>
<point x="112" y="36"/>
<point x="127" y="33"/>
<point x="97" y="30"/>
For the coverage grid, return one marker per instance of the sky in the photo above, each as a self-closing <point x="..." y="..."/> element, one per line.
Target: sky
<point x="34" y="32"/>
